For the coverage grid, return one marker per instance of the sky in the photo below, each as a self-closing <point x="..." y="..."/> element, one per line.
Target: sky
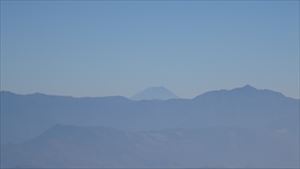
<point x="101" y="48"/>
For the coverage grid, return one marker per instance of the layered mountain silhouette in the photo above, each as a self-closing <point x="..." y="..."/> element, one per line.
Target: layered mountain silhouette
<point x="26" y="116"/>
<point x="222" y="128"/>
<point x="154" y="93"/>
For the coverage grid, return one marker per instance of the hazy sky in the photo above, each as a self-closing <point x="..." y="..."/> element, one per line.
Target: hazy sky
<point x="118" y="48"/>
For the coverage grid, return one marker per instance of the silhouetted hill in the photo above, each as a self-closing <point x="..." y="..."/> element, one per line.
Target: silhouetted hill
<point x="154" y="93"/>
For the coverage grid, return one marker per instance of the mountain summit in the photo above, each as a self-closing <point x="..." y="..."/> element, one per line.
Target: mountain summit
<point x="154" y="93"/>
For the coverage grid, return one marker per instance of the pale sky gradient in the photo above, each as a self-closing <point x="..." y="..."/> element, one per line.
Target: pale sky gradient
<point x="100" y="48"/>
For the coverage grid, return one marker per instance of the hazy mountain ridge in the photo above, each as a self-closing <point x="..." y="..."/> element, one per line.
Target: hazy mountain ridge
<point x="26" y="116"/>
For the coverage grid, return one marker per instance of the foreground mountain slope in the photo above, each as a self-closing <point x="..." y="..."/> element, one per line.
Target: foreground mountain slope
<point x="64" y="146"/>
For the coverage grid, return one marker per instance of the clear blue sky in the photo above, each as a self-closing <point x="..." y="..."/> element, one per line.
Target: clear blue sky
<point x="118" y="48"/>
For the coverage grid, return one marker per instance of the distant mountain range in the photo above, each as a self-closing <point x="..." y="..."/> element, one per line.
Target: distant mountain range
<point x="154" y="93"/>
<point x="222" y="128"/>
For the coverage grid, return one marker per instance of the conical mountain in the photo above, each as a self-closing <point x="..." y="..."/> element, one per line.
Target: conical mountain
<point x="154" y="93"/>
